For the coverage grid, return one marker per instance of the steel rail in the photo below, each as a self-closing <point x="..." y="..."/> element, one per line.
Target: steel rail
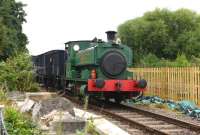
<point x="129" y="121"/>
<point x="181" y="123"/>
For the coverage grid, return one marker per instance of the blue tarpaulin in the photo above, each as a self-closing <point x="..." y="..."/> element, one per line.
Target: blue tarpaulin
<point x="187" y="107"/>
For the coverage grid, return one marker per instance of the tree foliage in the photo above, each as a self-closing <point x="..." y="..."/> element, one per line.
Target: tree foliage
<point x="12" y="39"/>
<point x="163" y="33"/>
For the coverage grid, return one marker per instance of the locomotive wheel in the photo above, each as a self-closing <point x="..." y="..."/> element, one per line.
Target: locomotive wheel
<point x="118" y="100"/>
<point x="137" y="95"/>
<point x="107" y="99"/>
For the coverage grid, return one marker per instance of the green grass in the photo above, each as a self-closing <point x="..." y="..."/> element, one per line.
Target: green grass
<point x="19" y="124"/>
<point x="89" y="129"/>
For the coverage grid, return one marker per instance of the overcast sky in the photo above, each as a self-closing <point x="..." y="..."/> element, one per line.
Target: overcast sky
<point x="50" y="23"/>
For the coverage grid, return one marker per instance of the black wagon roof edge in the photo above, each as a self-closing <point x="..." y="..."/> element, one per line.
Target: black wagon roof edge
<point x="51" y="51"/>
<point x="78" y="41"/>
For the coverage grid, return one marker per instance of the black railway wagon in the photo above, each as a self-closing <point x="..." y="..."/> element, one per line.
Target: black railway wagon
<point x="34" y="59"/>
<point x="50" y="68"/>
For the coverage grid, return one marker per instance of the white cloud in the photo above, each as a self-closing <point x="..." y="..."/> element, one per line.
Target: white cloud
<point x="50" y="23"/>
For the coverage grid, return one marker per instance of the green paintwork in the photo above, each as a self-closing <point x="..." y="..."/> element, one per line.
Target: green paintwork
<point x="82" y="90"/>
<point x="85" y="74"/>
<point x="80" y="63"/>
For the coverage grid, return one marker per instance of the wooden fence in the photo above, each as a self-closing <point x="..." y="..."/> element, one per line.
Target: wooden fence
<point x="171" y="83"/>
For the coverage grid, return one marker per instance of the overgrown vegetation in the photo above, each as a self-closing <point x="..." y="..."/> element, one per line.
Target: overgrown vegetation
<point x="19" y="124"/>
<point x="16" y="70"/>
<point x="89" y="129"/>
<point x="16" y="122"/>
<point x="3" y="94"/>
<point x="17" y="73"/>
<point x="163" y="38"/>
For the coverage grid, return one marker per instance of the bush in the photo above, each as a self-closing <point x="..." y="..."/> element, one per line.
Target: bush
<point x="181" y="61"/>
<point x="151" y="60"/>
<point x="18" y="124"/>
<point x="17" y="73"/>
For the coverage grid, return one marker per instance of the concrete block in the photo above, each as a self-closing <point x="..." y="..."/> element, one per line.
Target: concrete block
<point x="103" y="126"/>
<point x="44" y="107"/>
<point x="27" y="105"/>
<point x="2" y="106"/>
<point x="67" y="123"/>
<point x="84" y="114"/>
<point x="37" y="96"/>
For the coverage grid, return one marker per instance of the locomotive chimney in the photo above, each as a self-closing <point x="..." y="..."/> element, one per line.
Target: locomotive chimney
<point x="111" y="36"/>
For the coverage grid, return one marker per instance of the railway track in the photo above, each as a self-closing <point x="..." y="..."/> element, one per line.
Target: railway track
<point x="138" y="121"/>
<point x="149" y="122"/>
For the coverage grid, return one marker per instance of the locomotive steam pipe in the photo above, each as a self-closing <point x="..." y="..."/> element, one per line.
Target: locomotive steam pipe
<point x="111" y="36"/>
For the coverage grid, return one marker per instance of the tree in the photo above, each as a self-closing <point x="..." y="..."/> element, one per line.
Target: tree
<point x="163" y="33"/>
<point x="12" y="39"/>
<point x="16" y="69"/>
<point x="4" y="42"/>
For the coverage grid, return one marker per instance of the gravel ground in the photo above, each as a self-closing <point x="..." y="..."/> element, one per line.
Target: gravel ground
<point x="167" y="112"/>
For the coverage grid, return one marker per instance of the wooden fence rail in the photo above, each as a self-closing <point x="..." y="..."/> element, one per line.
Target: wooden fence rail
<point x="171" y="83"/>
